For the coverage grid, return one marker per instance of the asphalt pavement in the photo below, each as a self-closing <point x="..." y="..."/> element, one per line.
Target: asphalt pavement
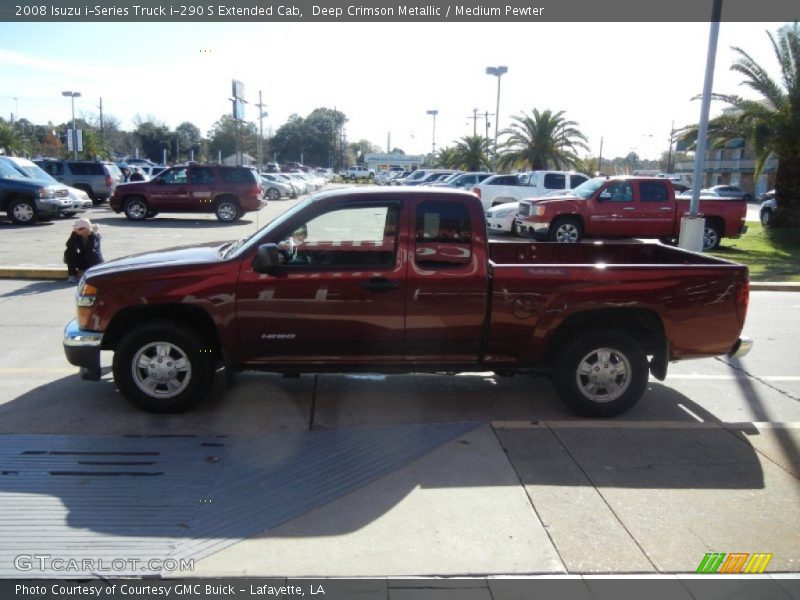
<point x="387" y="476"/>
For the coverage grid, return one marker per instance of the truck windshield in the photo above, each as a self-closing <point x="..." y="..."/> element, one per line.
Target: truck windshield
<point x="243" y="245"/>
<point x="587" y="188"/>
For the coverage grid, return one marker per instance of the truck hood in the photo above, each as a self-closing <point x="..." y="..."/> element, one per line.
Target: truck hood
<point x="206" y="253"/>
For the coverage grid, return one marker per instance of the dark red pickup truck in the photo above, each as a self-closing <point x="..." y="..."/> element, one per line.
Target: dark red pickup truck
<point x="640" y="207"/>
<point x="404" y="280"/>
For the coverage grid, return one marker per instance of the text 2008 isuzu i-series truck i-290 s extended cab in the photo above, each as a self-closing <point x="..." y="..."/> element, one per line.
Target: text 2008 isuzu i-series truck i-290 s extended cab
<point x="404" y="280"/>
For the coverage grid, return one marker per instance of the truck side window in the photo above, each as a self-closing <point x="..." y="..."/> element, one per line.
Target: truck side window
<point x="349" y="237"/>
<point x="620" y="191"/>
<point x="555" y="181"/>
<point x="443" y="234"/>
<point x="653" y="191"/>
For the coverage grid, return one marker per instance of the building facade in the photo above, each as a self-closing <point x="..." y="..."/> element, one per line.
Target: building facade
<point x="733" y="164"/>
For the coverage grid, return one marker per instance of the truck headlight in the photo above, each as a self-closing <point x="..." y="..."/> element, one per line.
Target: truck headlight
<point x="85" y="298"/>
<point x="538" y="211"/>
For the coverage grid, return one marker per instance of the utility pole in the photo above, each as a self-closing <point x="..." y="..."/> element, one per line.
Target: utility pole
<point x="102" y="137"/>
<point x="600" y="158"/>
<point x="261" y="115"/>
<point x="474" y="118"/>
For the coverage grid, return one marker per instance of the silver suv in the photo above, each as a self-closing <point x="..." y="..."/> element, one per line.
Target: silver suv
<point x="99" y="179"/>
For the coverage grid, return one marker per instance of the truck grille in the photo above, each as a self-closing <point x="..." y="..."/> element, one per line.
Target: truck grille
<point x="524" y="209"/>
<point x="62" y="193"/>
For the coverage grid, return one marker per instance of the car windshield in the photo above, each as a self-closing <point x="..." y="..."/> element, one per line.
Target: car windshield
<point x="34" y="172"/>
<point x="587" y="188"/>
<point x="9" y="172"/>
<point x="451" y="178"/>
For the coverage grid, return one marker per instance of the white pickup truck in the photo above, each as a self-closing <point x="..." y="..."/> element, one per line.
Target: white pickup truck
<point x="501" y="189"/>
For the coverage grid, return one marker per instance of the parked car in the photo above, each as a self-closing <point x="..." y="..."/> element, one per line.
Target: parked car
<point x="423" y="288"/>
<point x="99" y="179"/>
<point x="623" y="206"/>
<point x="26" y="200"/>
<point x="228" y="192"/>
<point x="465" y="181"/>
<point x="501" y="189"/>
<point x="297" y="186"/>
<point x="306" y="186"/>
<point x="769" y="205"/>
<point x="727" y="191"/>
<point x="79" y="200"/>
<point x="432" y="177"/>
<point x="501" y="217"/>
<point x="274" y="188"/>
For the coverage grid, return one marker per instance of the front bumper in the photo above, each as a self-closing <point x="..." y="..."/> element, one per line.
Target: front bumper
<point x="743" y="346"/>
<point x="533" y="228"/>
<point x="82" y="349"/>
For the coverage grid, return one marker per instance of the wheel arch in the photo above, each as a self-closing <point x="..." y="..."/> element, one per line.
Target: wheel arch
<point x="642" y="324"/>
<point x="175" y="314"/>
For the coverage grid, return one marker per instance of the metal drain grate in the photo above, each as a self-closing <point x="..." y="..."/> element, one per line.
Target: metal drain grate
<point x="143" y="498"/>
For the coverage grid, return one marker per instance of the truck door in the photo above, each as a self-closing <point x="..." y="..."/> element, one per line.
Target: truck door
<point x="655" y="212"/>
<point x="340" y="295"/>
<point x="171" y="186"/>
<point x="447" y="283"/>
<point x="612" y="211"/>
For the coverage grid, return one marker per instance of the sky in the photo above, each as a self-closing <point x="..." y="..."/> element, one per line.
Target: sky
<point x="623" y="83"/>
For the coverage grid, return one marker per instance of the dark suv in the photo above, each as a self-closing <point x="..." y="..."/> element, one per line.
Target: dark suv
<point x="228" y="192"/>
<point x="96" y="178"/>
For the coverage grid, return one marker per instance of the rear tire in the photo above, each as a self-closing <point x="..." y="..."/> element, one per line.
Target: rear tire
<point x="228" y="211"/>
<point x="766" y="217"/>
<point x="602" y="373"/>
<point x="162" y="368"/>
<point x="712" y="236"/>
<point x="273" y="194"/>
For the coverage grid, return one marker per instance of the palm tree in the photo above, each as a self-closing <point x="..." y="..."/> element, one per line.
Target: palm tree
<point x="471" y="153"/>
<point x="541" y="140"/>
<point x="444" y="158"/>
<point x="772" y="123"/>
<point x="10" y="139"/>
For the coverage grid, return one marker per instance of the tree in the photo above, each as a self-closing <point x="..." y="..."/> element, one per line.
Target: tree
<point x="188" y="140"/>
<point x="445" y="158"/>
<point x="587" y="165"/>
<point x="153" y="137"/>
<point x="772" y="123"/>
<point x="11" y="141"/>
<point x="541" y="140"/>
<point x="471" y="153"/>
<point x="223" y="135"/>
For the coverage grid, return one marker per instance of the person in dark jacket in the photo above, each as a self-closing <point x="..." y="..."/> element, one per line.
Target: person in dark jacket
<point x="83" y="249"/>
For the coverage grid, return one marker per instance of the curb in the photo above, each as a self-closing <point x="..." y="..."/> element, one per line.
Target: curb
<point x="60" y="273"/>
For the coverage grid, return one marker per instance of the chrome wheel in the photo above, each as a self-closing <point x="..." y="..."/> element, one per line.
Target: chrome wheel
<point x="567" y="233"/>
<point x="161" y="370"/>
<point x="135" y="209"/>
<point x="603" y="375"/>
<point x="227" y="211"/>
<point x="711" y="237"/>
<point x="273" y="194"/>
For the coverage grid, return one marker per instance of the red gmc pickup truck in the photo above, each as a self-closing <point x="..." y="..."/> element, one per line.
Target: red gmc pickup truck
<point x="404" y="280"/>
<point x="641" y="207"/>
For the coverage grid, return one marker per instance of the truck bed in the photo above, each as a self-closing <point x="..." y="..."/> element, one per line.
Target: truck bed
<point x="698" y="300"/>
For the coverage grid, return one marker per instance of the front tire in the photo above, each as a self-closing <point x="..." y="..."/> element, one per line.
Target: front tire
<point x="22" y="212"/>
<point x="273" y="194"/>
<point x="566" y="230"/>
<point x="766" y="217"/>
<point x="602" y="373"/>
<point x="162" y="368"/>
<point x="136" y="209"/>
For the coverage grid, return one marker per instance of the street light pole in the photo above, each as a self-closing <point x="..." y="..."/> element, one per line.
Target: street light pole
<point x="497" y="72"/>
<point x="72" y="96"/>
<point x="433" y="113"/>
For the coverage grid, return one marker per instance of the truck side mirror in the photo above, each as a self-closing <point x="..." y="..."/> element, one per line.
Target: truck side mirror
<point x="606" y="195"/>
<point x="268" y="259"/>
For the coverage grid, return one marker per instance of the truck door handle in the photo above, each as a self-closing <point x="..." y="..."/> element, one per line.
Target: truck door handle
<point x="379" y="284"/>
<point x="665" y="208"/>
<point x="629" y="208"/>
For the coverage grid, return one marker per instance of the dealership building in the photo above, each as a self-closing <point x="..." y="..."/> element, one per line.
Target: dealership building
<point x="381" y="162"/>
